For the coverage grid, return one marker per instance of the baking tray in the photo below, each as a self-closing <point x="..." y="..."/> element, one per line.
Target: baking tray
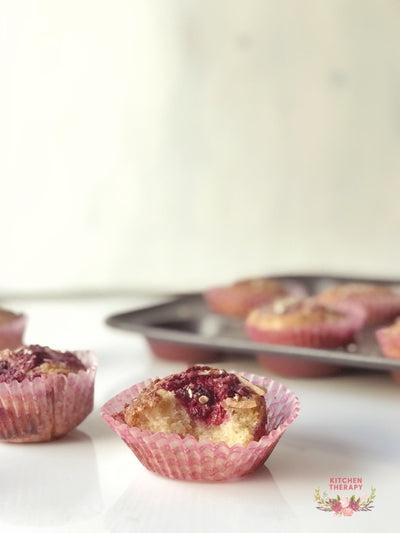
<point x="186" y="322"/>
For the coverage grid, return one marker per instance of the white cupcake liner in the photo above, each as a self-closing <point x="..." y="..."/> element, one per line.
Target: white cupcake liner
<point x="48" y="406"/>
<point x="188" y="459"/>
<point x="12" y="331"/>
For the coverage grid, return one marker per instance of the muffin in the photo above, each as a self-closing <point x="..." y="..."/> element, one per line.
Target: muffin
<point x="12" y="327"/>
<point x="306" y="323"/>
<point x="380" y="302"/>
<point x="389" y="342"/>
<point x="44" y="393"/>
<point x="204" y="402"/>
<point x="202" y="424"/>
<point x="238" y="299"/>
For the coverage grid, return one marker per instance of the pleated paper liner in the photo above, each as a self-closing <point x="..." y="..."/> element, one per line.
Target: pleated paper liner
<point x="188" y="459"/>
<point x="48" y="406"/>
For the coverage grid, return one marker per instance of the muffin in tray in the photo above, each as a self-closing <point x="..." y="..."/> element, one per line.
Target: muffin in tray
<point x="381" y="303"/>
<point x="306" y="323"/>
<point x="202" y="424"/>
<point x="238" y="299"/>
<point x="389" y="342"/>
<point x="12" y="328"/>
<point x="44" y="393"/>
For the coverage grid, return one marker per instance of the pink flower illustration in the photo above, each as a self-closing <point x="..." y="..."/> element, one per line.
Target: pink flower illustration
<point x="354" y="505"/>
<point x="347" y="511"/>
<point x="336" y="506"/>
<point x="344" y="506"/>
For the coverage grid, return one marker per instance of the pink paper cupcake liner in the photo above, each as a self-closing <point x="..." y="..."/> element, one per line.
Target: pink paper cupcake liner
<point x="188" y="459"/>
<point x="234" y="302"/>
<point x="174" y="351"/>
<point x="324" y="335"/>
<point x="297" y="368"/>
<point x="48" y="406"/>
<point x="379" y="308"/>
<point x="389" y="342"/>
<point x="383" y="310"/>
<point x="12" y="331"/>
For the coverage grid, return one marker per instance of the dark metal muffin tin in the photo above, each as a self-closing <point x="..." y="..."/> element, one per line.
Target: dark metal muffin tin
<point x="186" y="321"/>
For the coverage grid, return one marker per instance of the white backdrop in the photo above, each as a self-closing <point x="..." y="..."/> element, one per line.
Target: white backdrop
<point x="177" y="144"/>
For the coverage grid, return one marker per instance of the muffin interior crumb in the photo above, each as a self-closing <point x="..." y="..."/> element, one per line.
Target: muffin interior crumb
<point x="209" y="404"/>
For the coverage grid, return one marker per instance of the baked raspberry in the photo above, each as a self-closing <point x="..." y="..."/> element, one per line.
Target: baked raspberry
<point x="28" y="362"/>
<point x="207" y="403"/>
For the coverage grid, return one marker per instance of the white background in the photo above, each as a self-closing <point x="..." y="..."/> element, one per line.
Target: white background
<point x="172" y="145"/>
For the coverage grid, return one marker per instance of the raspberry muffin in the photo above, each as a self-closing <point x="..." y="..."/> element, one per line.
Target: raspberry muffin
<point x="238" y="299"/>
<point x="44" y="393"/>
<point x="305" y="323"/>
<point x="381" y="303"/>
<point x="12" y="328"/>
<point x="389" y="342"/>
<point x="207" y="403"/>
<point x="203" y="423"/>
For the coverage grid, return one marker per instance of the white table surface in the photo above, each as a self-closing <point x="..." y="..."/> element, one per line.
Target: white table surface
<point x="348" y="426"/>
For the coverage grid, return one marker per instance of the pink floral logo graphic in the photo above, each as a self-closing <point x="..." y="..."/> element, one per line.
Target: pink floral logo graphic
<point x="344" y="506"/>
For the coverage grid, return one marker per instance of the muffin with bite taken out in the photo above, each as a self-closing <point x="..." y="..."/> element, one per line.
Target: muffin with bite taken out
<point x="203" y="423"/>
<point x="207" y="403"/>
